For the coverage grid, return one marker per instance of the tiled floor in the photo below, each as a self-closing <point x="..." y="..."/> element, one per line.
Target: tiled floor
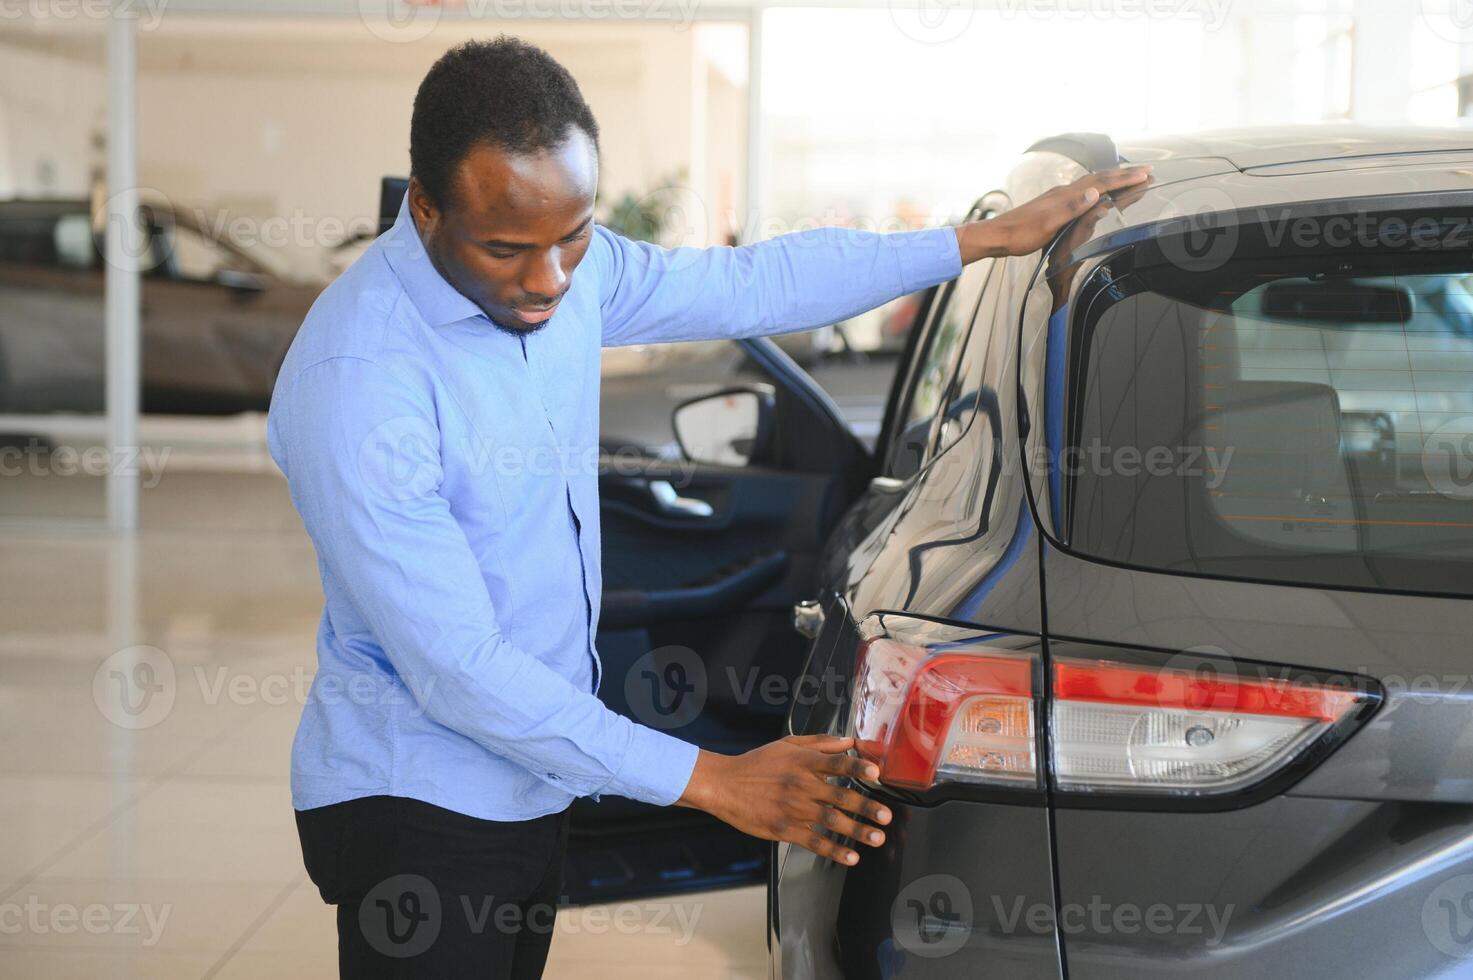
<point x="160" y="843"/>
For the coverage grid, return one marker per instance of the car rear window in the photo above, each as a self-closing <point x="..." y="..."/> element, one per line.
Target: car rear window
<point x="1299" y="418"/>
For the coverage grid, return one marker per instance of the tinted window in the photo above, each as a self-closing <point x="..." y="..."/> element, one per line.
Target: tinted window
<point x="1291" y="420"/>
<point x="930" y="385"/>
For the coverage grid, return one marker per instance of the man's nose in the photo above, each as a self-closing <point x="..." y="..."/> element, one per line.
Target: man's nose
<point x="545" y="277"/>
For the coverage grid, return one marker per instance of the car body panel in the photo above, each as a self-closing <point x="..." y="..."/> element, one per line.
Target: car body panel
<point x="1362" y="866"/>
<point x="1243" y="191"/>
<point x="1315" y="887"/>
<point x="941" y="899"/>
<point x="953" y="543"/>
<point x="1349" y="867"/>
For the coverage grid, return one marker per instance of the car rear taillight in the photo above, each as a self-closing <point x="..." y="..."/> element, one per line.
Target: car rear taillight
<point x="937" y="704"/>
<point x="1128" y="728"/>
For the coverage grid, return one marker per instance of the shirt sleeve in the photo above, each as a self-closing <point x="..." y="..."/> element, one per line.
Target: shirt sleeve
<point x="797" y="281"/>
<point x="361" y="451"/>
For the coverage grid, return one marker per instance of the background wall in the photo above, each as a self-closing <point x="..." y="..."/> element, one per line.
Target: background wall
<point x="877" y="113"/>
<point x="298" y="119"/>
<point x="874" y="112"/>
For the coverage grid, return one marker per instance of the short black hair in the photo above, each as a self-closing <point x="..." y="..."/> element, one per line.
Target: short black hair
<point x="504" y="93"/>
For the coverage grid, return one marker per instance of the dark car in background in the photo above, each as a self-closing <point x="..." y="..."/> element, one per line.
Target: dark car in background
<point x="216" y="321"/>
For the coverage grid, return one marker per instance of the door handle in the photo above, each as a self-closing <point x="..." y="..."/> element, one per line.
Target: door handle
<point x="808" y="617"/>
<point x="669" y="501"/>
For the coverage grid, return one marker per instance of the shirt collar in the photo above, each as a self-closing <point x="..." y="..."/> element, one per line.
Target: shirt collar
<point x="436" y="300"/>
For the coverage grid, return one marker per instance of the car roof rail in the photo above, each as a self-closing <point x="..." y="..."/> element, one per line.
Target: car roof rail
<point x="1092" y="151"/>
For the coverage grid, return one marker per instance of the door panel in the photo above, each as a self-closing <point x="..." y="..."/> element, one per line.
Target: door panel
<point x="1357" y="868"/>
<point x="940" y="899"/>
<point x="696" y="639"/>
<point x="1333" y="887"/>
<point x="695" y="632"/>
<point x="1360" y="864"/>
<point x="962" y="887"/>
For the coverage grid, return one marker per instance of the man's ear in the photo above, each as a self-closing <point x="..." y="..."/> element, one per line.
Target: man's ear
<point x="422" y="207"/>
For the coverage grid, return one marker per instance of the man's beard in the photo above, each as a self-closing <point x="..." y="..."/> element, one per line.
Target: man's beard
<point x="523" y="330"/>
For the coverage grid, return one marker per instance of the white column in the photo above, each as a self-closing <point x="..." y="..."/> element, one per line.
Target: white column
<point x="1381" y="79"/>
<point x="752" y="192"/>
<point x="121" y="293"/>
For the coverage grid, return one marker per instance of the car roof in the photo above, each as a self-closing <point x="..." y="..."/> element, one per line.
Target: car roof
<point x="1247" y="149"/>
<point x="1254" y="169"/>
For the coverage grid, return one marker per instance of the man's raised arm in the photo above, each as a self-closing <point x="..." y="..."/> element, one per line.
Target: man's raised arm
<point x="809" y="279"/>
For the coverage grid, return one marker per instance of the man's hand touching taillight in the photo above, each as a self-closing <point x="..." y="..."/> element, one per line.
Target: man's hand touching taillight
<point x="781" y="791"/>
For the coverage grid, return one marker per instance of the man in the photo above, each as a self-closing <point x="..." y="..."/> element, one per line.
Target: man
<point x="454" y="714"/>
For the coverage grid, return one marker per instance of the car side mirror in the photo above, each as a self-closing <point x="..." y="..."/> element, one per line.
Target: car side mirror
<point x="731" y="427"/>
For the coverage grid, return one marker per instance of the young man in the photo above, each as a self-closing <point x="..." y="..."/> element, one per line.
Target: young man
<point x="425" y="418"/>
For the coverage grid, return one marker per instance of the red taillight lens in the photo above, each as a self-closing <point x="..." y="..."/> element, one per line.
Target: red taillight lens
<point x="1127" y="728"/>
<point x="1111" y="683"/>
<point x="934" y="704"/>
<point x="937" y="704"/>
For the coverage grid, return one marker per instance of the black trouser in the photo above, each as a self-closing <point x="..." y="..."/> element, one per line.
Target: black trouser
<point x="423" y="891"/>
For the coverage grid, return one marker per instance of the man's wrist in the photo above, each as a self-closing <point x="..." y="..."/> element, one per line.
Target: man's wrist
<point x="979" y="240"/>
<point x="698" y="788"/>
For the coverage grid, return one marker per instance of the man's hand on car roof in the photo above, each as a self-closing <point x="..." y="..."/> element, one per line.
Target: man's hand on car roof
<point x="1030" y="226"/>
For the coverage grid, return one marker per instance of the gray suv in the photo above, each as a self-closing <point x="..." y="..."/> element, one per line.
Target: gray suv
<point x="1155" y="612"/>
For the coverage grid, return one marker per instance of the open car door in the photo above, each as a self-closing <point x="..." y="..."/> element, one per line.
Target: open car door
<point x="706" y="550"/>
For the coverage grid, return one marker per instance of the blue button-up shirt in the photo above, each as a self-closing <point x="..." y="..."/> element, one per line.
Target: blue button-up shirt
<point x="447" y="473"/>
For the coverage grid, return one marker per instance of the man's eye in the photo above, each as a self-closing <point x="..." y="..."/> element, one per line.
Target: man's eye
<point x="498" y="253"/>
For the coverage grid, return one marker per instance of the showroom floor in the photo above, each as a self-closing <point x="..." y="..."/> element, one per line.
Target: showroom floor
<point x="155" y="839"/>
